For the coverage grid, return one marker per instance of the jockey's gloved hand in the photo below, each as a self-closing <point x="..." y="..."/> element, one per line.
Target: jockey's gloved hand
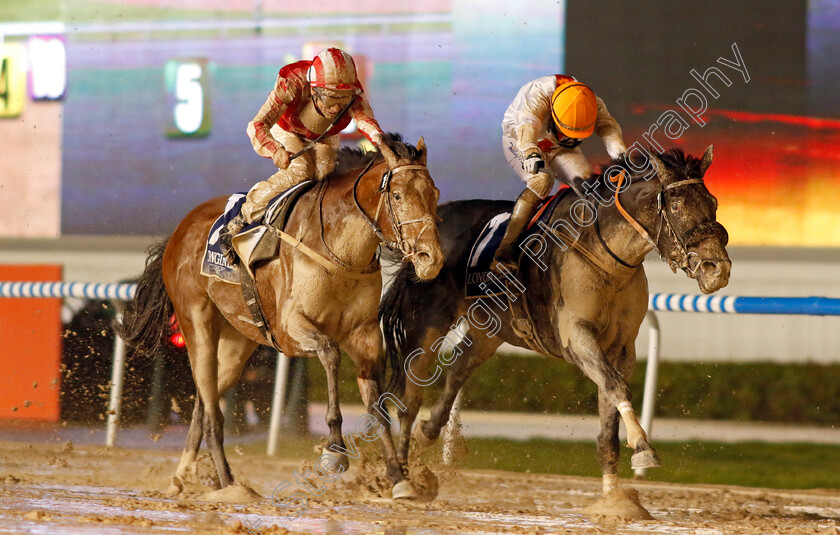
<point x="533" y="162"/>
<point x="281" y="158"/>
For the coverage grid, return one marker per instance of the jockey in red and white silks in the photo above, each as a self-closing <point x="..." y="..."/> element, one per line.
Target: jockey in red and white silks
<point x="305" y="100"/>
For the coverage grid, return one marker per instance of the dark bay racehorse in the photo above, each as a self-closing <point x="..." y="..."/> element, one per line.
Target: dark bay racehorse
<point x="313" y="307"/>
<point x="587" y="300"/>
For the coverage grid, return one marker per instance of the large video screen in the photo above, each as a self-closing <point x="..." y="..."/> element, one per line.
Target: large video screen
<point x="155" y="123"/>
<point x="125" y="115"/>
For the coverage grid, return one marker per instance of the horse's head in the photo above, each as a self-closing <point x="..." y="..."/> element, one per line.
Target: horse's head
<point x="410" y="198"/>
<point x="689" y="236"/>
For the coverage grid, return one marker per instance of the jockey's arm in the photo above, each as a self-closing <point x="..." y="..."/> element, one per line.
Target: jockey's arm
<point x="533" y="111"/>
<point x="609" y="131"/>
<point x="362" y="113"/>
<point x="259" y="129"/>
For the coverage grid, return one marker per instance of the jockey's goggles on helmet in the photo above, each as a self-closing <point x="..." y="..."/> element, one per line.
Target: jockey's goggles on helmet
<point x="330" y="97"/>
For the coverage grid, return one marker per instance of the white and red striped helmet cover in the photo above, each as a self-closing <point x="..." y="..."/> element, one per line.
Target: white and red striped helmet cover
<point x="333" y="69"/>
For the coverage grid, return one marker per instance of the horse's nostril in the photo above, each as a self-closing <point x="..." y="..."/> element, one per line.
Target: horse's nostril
<point x="423" y="257"/>
<point x="714" y="268"/>
<point x="710" y="268"/>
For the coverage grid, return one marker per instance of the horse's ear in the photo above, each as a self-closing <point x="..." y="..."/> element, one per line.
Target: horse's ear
<point x="707" y="159"/>
<point x="388" y="154"/>
<point x="664" y="174"/>
<point x="421" y="147"/>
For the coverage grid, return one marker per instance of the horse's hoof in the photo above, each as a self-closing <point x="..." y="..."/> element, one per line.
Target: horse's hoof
<point x="426" y="483"/>
<point x="404" y="490"/>
<point x="422" y="440"/>
<point x="343" y="462"/>
<point x="645" y="459"/>
<point x="175" y="487"/>
<point x="233" y="493"/>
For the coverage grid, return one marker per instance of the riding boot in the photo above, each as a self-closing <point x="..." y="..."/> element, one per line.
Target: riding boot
<point x="524" y="209"/>
<point x="226" y="235"/>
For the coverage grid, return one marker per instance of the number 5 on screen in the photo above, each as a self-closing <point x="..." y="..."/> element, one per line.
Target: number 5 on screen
<point x="188" y="97"/>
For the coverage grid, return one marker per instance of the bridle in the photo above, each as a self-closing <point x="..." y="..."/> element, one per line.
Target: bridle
<point x="683" y="241"/>
<point x="385" y="197"/>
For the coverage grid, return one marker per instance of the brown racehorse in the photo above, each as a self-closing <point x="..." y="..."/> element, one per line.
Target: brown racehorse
<point x="313" y="308"/>
<point x="587" y="295"/>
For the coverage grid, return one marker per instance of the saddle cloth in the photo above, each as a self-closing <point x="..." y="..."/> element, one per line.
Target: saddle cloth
<point x="252" y="236"/>
<point x="484" y="248"/>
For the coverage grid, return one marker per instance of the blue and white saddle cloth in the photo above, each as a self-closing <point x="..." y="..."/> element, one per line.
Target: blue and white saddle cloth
<point x="214" y="263"/>
<point x="484" y="248"/>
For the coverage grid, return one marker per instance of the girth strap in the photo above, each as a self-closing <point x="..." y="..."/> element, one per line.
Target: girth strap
<point x="522" y="322"/>
<point x="252" y="299"/>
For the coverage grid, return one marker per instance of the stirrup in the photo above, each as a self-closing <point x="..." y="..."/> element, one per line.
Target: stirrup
<point x="228" y="251"/>
<point x="231" y="229"/>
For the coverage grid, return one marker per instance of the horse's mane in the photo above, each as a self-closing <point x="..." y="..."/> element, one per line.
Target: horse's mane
<point x="350" y="159"/>
<point x="683" y="164"/>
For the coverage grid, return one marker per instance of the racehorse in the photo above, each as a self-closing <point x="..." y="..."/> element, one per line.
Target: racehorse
<point x="584" y="298"/>
<point x="315" y="303"/>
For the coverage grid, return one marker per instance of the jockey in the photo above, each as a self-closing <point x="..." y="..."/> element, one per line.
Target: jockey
<point x="298" y="127"/>
<point x="544" y="124"/>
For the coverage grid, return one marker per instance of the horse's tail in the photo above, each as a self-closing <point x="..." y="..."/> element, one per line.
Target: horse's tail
<point x="391" y="309"/>
<point x="146" y="321"/>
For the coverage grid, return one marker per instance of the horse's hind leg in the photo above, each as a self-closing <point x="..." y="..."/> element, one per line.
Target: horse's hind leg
<point x="190" y="452"/>
<point x="200" y="326"/>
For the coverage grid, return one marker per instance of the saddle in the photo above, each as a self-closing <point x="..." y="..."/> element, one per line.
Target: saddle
<point x="482" y="282"/>
<point x="479" y="263"/>
<point x="255" y="242"/>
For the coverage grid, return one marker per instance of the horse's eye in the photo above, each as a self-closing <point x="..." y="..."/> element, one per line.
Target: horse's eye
<point x="397" y="196"/>
<point x="676" y="205"/>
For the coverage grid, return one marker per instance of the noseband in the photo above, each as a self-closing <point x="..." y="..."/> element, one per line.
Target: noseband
<point x="385" y="197"/>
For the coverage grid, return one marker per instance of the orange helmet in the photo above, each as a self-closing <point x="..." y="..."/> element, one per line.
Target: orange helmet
<point x="333" y="69"/>
<point x="574" y="109"/>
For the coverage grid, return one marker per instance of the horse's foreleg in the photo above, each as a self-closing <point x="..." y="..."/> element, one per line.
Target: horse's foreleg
<point x="330" y="357"/>
<point x="608" y="445"/>
<point x="417" y="377"/>
<point x="588" y="356"/>
<point x="644" y="456"/>
<point x="471" y="357"/>
<point x="366" y="350"/>
<point x="193" y="443"/>
<point x="311" y="341"/>
<point x="412" y="399"/>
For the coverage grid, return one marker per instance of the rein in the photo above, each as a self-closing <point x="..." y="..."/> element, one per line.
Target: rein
<point x="385" y="195"/>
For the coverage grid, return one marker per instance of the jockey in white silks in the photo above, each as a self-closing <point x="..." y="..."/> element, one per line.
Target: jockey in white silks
<point x="541" y="131"/>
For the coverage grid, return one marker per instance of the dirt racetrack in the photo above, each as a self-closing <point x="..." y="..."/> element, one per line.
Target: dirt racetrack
<point x="61" y="488"/>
